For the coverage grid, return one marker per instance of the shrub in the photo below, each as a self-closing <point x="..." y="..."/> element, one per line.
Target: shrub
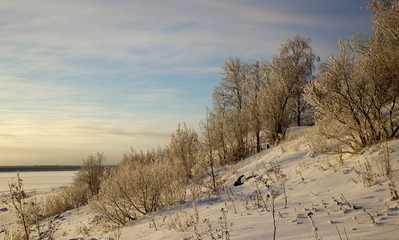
<point x="18" y="201"/>
<point x="134" y="189"/>
<point x="183" y="149"/>
<point x="66" y="198"/>
<point x="356" y="92"/>
<point x="85" y="184"/>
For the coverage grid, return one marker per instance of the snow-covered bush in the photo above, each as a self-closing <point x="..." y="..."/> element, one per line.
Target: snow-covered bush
<point x="137" y="188"/>
<point x="355" y="95"/>
<point x="182" y="150"/>
<point x="66" y="198"/>
<point x="86" y="184"/>
<point x="19" y="201"/>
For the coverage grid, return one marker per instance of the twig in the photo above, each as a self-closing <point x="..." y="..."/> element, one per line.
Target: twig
<point x="346" y="235"/>
<point x="339" y="234"/>
<point x="346" y="201"/>
<point x="313" y="225"/>
<point x="230" y="195"/>
<point x="273" y="215"/>
<point x="371" y="217"/>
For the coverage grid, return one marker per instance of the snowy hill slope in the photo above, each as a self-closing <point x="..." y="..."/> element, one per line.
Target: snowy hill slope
<point x="319" y="189"/>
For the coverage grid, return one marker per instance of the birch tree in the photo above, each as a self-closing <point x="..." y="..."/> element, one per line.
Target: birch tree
<point x="275" y="105"/>
<point x="208" y="148"/>
<point x="294" y="66"/>
<point x="229" y="95"/>
<point x="258" y="73"/>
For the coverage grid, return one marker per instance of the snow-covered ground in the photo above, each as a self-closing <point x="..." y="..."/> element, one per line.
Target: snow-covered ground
<point x="325" y="199"/>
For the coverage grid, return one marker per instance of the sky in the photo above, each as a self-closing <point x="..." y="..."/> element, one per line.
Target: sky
<point x="84" y="76"/>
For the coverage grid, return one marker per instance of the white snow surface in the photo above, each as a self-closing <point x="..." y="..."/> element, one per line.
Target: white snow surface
<point x="328" y="191"/>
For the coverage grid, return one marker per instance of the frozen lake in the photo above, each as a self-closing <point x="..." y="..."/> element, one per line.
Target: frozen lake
<point x="37" y="180"/>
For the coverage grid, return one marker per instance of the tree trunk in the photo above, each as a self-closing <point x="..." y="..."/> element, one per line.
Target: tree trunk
<point x="298" y="112"/>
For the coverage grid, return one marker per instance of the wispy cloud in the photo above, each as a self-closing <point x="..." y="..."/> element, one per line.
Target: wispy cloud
<point x="81" y="75"/>
<point x="154" y="33"/>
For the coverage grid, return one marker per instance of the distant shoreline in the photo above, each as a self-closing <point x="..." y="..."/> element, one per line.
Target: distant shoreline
<point x="39" y="168"/>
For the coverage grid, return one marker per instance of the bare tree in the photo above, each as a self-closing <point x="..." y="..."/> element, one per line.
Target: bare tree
<point x="91" y="172"/>
<point x="208" y="144"/>
<point x="356" y="92"/>
<point x="258" y="73"/>
<point x="275" y="107"/>
<point x="294" y="66"/>
<point x="230" y="98"/>
<point x="380" y="63"/>
<point x="385" y="19"/>
<point x="219" y="118"/>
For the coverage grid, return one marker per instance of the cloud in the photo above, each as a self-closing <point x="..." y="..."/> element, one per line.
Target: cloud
<point x="91" y="74"/>
<point x="149" y="34"/>
<point x="57" y="118"/>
